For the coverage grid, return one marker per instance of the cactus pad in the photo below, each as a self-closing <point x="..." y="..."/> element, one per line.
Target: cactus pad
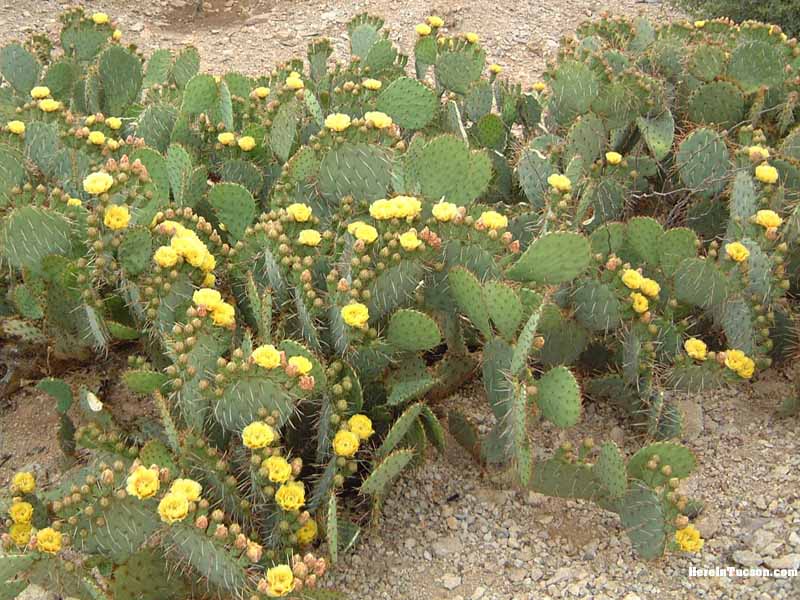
<point x="411" y="104"/>
<point x="553" y="258"/>
<point x="559" y="397"/>
<point x="412" y="331"/>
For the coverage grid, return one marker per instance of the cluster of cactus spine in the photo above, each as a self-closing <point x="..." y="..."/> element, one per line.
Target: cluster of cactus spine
<point x="302" y="259"/>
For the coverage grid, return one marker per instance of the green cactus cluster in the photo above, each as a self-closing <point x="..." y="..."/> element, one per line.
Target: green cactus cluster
<point x="299" y="264"/>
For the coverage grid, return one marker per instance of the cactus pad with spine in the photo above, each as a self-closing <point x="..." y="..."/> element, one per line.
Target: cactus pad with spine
<point x="676" y="245"/>
<point x="755" y="64"/>
<point x="19" y="68"/>
<point x="30" y="234"/>
<point x="360" y="170"/>
<point x="504" y="306"/>
<point x="412" y="331"/>
<point x="564" y="338"/>
<point x="468" y="294"/>
<point x="559" y="397"/>
<point x="386" y="472"/>
<point x="234" y="206"/>
<point x="658" y="133"/>
<point x="703" y="161"/>
<point x="642" y="516"/>
<point x="699" y="282"/>
<point x="574" y="87"/>
<point x="596" y="306"/>
<point x="445" y="168"/>
<point x="410" y="103"/>
<point x="718" y="102"/>
<point x="121" y="76"/>
<point x="553" y="258"/>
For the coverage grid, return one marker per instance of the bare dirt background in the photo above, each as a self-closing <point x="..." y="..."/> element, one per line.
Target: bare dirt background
<point x="450" y="531"/>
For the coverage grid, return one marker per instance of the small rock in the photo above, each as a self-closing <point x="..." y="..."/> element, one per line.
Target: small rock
<point x="562" y="574"/>
<point x="747" y="558"/>
<point x="517" y="575"/>
<point x="708" y="525"/>
<point x="787" y="561"/>
<point x="794" y="539"/>
<point x="692" y="418"/>
<point x="617" y="435"/>
<point x="258" y="19"/>
<point x="760" y="502"/>
<point x="761" y="539"/>
<point x="450" y="581"/>
<point x="445" y="546"/>
<point x="631" y="596"/>
<point x="452" y="523"/>
<point x="478" y="593"/>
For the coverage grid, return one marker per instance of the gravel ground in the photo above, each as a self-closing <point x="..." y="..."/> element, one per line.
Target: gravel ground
<point x="450" y="531"/>
<point x="252" y="35"/>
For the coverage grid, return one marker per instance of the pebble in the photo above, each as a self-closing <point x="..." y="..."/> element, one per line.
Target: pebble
<point x="450" y="581"/>
<point x="747" y="558"/>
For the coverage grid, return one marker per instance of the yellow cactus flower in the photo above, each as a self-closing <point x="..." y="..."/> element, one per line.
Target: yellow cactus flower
<point x="355" y="315"/>
<point x="207" y="298"/>
<point x="143" y="482"/>
<point x="768" y="219"/>
<point x="757" y="153"/>
<point x="378" y="119"/>
<point x="650" y="287"/>
<point x="165" y="257"/>
<point x="613" y="158"/>
<point x="39" y="92"/>
<point x="337" y="121"/>
<point x="97" y="183"/>
<point x="366" y="233"/>
<point x="100" y="18"/>
<point x="299" y="212"/>
<point x="381" y="210"/>
<point x="247" y="143"/>
<point x="114" y="123"/>
<point x="695" y="348"/>
<point x="48" y="540"/>
<point x="258" y="435"/>
<point x="49" y="105"/>
<point x="117" y="217"/>
<point x="173" y="508"/>
<point x="560" y="183"/>
<point x="699" y="24"/>
<point x="294" y="82"/>
<point x="97" y="138"/>
<point x="407" y="206"/>
<point x="262" y="92"/>
<point x="280" y="581"/>
<point x="301" y="364"/>
<point x="409" y="240"/>
<point x="188" y="488"/>
<point x="279" y="469"/>
<point x="226" y="138"/>
<point x="747" y="368"/>
<point x="352" y="227"/>
<point x="209" y="280"/>
<point x="423" y="29"/>
<point x="90" y="120"/>
<point x="632" y="279"/>
<point x="737" y="252"/>
<point x="734" y="359"/>
<point x="766" y="174"/>
<point x="23" y="482"/>
<point x="267" y="356"/>
<point x="539" y="86"/>
<point x="117" y="35"/>
<point x="471" y="37"/>
<point x="372" y="84"/>
<point x="444" y="211"/>
<point x="495" y="68"/>
<point x="74" y="202"/>
<point x="16" y="127"/>
<point x="493" y="220"/>
<point x="309" y="237"/>
<point x="639" y="302"/>
<point x="21" y="512"/>
<point x="361" y="425"/>
<point x="112" y="145"/>
<point x="20" y="534"/>
<point x="291" y="496"/>
<point x="345" y="443"/>
<point x="688" y="538"/>
<point x="224" y="315"/>
<point x="435" y="21"/>
<point x="307" y="533"/>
